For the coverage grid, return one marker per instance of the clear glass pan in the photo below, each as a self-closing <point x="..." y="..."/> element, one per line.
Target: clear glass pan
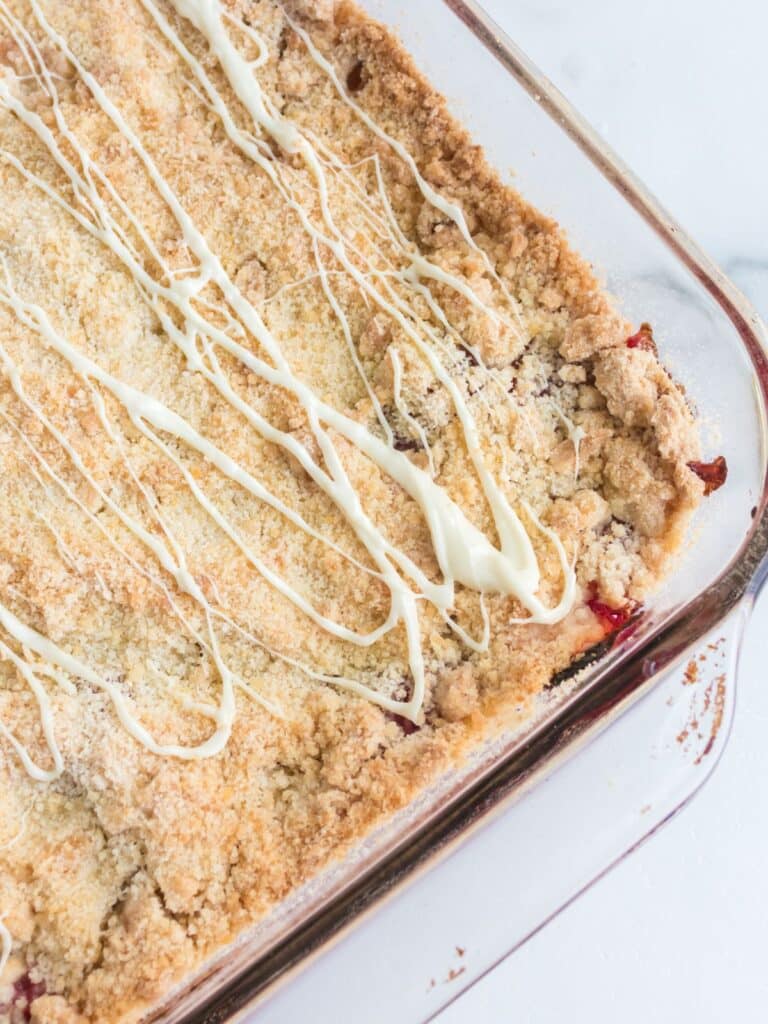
<point x="713" y="342"/>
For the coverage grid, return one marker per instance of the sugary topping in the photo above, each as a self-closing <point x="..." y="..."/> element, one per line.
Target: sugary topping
<point x="465" y="555"/>
<point x="313" y="436"/>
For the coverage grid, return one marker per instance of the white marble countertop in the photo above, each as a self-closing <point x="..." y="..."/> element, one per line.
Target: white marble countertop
<point x="678" y="931"/>
<point x="679" y="90"/>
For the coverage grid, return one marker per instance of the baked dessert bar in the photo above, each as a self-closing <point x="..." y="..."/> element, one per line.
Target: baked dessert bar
<point x="321" y="453"/>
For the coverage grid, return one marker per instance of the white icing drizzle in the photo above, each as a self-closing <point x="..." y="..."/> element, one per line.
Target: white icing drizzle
<point x="512" y="534"/>
<point x="451" y="210"/>
<point x="6" y="946"/>
<point x="576" y="434"/>
<point x="55" y="655"/>
<point x="46" y="718"/>
<point x="415" y="260"/>
<point x="205" y="15"/>
<point x="464" y="554"/>
<point x="43" y="669"/>
<point x="397" y="374"/>
<point x="9" y="845"/>
<point x="344" y="321"/>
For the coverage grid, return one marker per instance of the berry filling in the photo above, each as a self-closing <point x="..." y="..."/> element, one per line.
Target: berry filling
<point x="24" y="992"/>
<point x="355" y="77"/>
<point x="611" y="618"/>
<point x="714" y="474"/>
<point x="405" y="724"/>
<point x="406" y="444"/>
<point x="643" y="339"/>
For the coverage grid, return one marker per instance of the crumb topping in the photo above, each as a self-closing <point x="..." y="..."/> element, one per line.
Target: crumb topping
<point x="322" y="454"/>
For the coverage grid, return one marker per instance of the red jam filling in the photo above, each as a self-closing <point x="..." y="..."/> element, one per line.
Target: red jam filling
<point x="714" y="474"/>
<point x="405" y="724"/>
<point x="611" y="618"/>
<point x="23" y="993"/>
<point x="355" y="77"/>
<point x="643" y="339"/>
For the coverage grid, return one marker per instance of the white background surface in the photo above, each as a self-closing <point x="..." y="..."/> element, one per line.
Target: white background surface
<point x="679" y="931"/>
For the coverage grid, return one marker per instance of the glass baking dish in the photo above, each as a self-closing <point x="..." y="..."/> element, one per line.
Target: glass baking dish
<point x="714" y="343"/>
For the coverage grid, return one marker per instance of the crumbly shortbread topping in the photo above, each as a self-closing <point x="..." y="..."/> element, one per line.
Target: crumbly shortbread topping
<point x="318" y="446"/>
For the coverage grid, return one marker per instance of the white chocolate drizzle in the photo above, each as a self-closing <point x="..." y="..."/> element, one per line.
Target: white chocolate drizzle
<point x="6" y="946"/>
<point x="192" y="323"/>
<point x="10" y="843"/>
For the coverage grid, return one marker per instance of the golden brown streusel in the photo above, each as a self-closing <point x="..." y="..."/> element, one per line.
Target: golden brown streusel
<point x="127" y="871"/>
